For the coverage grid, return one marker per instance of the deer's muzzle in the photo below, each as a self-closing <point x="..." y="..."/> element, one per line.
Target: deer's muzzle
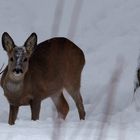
<point x="18" y="70"/>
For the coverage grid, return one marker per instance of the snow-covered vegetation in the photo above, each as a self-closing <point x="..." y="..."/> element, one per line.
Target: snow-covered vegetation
<point x="108" y="31"/>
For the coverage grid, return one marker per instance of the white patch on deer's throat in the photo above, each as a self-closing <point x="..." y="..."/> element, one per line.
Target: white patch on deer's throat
<point x="13" y="87"/>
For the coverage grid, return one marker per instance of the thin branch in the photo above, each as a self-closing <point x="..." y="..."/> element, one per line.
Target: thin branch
<point x="57" y="17"/>
<point x="75" y="18"/>
<point x="1" y="71"/>
<point x="112" y="87"/>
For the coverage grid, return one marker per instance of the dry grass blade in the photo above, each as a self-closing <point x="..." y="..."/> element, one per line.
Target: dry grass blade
<point x="74" y="18"/>
<point x="57" y="17"/>
<point x="112" y="87"/>
<point x="1" y="71"/>
<point x="56" y="135"/>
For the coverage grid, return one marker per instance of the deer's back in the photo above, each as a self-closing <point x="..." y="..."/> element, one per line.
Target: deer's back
<point x="55" y="62"/>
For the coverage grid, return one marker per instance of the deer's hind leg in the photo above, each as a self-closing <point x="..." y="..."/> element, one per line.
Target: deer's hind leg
<point x="61" y="105"/>
<point x="73" y="88"/>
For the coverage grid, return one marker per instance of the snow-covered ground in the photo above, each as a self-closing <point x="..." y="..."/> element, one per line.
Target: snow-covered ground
<point x="108" y="31"/>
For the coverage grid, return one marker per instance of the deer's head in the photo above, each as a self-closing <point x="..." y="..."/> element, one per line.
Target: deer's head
<point x="18" y="56"/>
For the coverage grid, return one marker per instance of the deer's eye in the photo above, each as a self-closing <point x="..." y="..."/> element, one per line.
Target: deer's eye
<point x="25" y="60"/>
<point x="11" y="59"/>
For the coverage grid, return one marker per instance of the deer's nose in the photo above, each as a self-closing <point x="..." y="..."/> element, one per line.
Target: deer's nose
<point x="17" y="70"/>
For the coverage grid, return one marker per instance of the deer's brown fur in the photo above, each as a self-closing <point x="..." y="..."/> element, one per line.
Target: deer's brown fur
<point x="53" y="65"/>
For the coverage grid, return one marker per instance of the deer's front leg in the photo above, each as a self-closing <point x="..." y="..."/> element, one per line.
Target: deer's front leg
<point x="35" y="109"/>
<point x="13" y="114"/>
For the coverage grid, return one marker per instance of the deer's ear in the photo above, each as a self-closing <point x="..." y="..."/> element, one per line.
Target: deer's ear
<point x="7" y="42"/>
<point x="31" y="43"/>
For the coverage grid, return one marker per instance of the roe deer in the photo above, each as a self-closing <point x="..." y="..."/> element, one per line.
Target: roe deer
<point x="35" y="72"/>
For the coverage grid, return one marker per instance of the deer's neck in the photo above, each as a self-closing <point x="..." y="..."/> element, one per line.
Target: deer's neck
<point x="12" y="86"/>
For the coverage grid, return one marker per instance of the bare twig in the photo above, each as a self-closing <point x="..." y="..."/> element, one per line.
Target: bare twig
<point x="113" y="84"/>
<point x="57" y="17"/>
<point x="74" y="18"/>
<point x="56" y="135"/>
<point x="1" y="71"/>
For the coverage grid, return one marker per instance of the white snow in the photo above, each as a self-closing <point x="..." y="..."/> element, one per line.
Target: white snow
<point x="107" y="30"/>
